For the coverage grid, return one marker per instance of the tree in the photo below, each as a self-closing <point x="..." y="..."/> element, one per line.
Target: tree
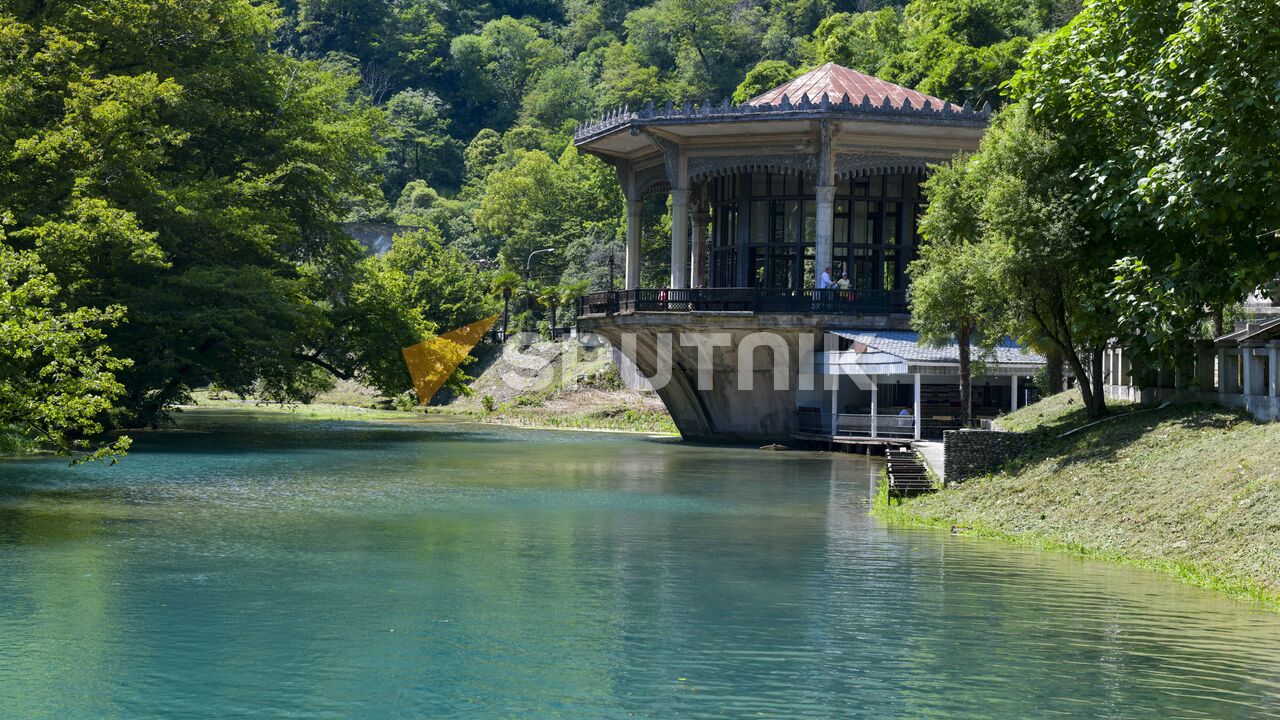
<point x="506" y="283"/>
<point x="768" y="74"/>
<point x="949" y="281"/>
<point x="157" y="157"/>
<point x="1170" y="110"/>
<point x="1030" y="267"/>
<point x="1052" y="266"/>
<point x="419" y="147"/>
<point x="57" y="379"/>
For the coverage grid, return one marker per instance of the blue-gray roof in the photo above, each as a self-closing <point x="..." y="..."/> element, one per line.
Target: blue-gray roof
<point x="906" y="344"/>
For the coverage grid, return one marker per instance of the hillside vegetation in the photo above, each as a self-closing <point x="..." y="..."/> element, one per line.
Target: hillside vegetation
<point x="1190" y="490"/>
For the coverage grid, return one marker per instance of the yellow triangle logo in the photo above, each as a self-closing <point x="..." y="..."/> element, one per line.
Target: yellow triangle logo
<point x="431" y="362"/>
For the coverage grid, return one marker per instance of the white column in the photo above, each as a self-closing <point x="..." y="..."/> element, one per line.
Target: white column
<point x="1013" y="394"/>
<point x="835" y="407"/>
<point x="680" y="238"/>
<point x="919" y="419"/>
<point x="875" y="402"/>
<point x="824" y="231"/>
<point x="635" y="221"/>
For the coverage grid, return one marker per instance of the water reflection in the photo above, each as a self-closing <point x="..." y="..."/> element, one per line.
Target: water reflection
<point x="337" y="570"/>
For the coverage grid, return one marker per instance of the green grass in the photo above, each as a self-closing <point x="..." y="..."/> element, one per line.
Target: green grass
<point x="1193" y="491"/>
<point x="530" y="414"/>
<point x="14" y="444"/>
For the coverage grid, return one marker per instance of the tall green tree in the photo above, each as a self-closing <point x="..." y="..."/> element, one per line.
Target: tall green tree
<point x="156" y="156"/>
<point x="1171" y="110"/>
<point x="951" y="280"/>
<point x="57" y="375"/>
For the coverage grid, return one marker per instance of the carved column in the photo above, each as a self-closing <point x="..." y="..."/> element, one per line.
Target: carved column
<point x="823" y="231"/>
<point x="825" y="192"/>
<point x="680" y="238"/>
<point x="635" y="221"/>
<point x="699" y="254"/>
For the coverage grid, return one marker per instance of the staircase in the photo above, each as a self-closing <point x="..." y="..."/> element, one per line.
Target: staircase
<point x="907" y="475"/>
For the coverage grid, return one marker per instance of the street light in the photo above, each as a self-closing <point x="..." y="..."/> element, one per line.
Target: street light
<point x="528" y="263"/>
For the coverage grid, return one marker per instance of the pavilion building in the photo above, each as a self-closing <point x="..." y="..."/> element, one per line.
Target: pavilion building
<point x="822" y="172"/>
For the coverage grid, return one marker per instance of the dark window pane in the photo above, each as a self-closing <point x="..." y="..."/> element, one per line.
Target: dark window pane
<point x="893" y="186"/>
<point x="759" y="222"/>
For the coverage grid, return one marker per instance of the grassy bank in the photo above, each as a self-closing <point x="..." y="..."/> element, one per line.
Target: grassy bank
<point x="1188" y="490"/>
<point x="15" y="444"/>
<point x="555" y="385"/>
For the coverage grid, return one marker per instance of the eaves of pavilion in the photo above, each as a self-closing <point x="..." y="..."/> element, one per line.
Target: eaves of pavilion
<point x="828" y="124"/>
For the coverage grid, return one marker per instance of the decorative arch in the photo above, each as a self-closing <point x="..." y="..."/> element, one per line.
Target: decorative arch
<point x="706" y="168"/>
<point x="652" y="180"/>
<point x="855" y="166"/>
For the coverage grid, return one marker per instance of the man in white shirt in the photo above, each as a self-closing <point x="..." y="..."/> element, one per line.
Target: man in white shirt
<point x="824" y="282"/>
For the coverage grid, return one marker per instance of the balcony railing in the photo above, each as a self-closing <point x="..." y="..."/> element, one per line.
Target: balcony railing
<point x="753" y="300"/>
<point x="886" y="426"/>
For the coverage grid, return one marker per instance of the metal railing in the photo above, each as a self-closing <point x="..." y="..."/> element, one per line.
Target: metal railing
<point x="811" y="421"/>
<point x="875" y="426"/>
<point x="755" y="300"/>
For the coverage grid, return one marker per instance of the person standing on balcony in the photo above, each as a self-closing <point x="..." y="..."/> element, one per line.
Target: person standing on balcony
<point x="824" y="282"/>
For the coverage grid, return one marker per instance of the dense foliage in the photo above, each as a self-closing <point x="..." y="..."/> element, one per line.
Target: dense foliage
<point x="1130" y="196"/>
<point x="174" y="173"/>
<point x="481" y="98"/>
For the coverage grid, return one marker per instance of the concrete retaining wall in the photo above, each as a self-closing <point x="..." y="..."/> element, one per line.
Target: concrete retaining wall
<point x="973" y="453"/>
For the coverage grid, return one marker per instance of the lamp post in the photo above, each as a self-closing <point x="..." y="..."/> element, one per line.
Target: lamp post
<point x="528" y="263"/>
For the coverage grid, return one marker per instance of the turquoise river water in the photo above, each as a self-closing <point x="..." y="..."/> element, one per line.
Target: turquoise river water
<point x="251" y="566"/>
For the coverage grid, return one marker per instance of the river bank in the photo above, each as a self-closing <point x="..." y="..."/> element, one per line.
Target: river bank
<point x="562" y="386"/>
<point x="1192" y="491"/>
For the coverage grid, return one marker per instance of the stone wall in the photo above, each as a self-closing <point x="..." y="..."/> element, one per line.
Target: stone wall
<point x="973" y="453"/>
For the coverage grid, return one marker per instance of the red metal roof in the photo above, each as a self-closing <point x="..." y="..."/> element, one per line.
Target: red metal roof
<point x="836" y="82"/>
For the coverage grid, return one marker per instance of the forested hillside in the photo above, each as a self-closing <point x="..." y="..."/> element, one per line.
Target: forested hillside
<point x="481" y="98"/>
<point x="174" y="173"/>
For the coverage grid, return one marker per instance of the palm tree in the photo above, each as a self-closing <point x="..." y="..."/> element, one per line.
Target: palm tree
<point x="570" y="292"/>
<point x="549" y="297"/>
<point x="506" y="282"/>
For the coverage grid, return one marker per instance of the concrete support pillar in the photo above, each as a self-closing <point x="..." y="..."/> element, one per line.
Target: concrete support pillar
<point x="1246" y="389"/>
<point x="824" y="226"/>
<point x="1274" y="362"/>
<point x="1275" y="381"/>
<point x="875" y="402"/>
<point x="1223" y="382"/>
<point x="701" y="221"/>
<point x="918" y="418"/>
<point x="1204" y="369"/>
<point x="1013" y="395"/>
<point x="679" y="238"/>
<point x="635" y="221"/>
